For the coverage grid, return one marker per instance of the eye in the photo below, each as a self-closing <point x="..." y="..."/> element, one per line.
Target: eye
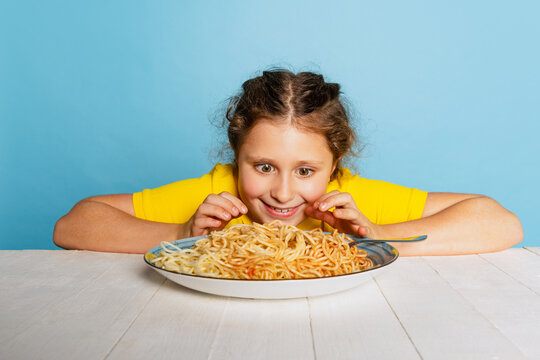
<point x="304" y="172"/>
<point x="264" y="168"/>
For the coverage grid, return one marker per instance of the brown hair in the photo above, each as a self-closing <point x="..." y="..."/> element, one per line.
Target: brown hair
<point x="304" y="100"/>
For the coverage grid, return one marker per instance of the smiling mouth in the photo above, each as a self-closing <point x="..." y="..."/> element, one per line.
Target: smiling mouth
<point x="281" y="212"/>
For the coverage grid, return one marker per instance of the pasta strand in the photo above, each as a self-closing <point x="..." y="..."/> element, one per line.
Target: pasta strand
<point x="265" y="251"/>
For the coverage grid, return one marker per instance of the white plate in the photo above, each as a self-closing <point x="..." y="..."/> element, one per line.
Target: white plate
<point x="382" y="254"/>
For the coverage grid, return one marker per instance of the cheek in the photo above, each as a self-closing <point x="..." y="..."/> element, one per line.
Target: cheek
<point x="313" y="190"/>
<point x="250" y="187"/>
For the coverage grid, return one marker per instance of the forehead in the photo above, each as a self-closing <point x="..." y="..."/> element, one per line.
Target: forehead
<point x="281" y="140"/>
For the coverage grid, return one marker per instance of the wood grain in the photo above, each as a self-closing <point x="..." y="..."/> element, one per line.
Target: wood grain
<point x="358" y="323"/>
<point x="80" y="304"/>
<point x="520" y="264"/>
<point x="65" y="305"/>
<point x="440" y="322"/>
<point x="490" y="290"/>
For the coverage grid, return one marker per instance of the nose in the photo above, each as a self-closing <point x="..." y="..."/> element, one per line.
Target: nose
<point x="283" y="189"/>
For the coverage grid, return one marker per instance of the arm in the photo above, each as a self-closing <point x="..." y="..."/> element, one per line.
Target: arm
<point x="455" y="224"/>
<point x="108" y="223"/>
<point x="458" y="224"/>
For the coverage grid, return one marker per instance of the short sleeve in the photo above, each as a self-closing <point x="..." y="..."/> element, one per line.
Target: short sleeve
<point x="383" y="202"/>
<point x="177" y="202"/>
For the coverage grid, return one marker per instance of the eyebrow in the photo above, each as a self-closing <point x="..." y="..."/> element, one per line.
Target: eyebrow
<point x="261" y="159"/>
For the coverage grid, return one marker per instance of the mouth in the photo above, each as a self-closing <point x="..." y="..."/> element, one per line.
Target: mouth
<point x="281" y="212"/>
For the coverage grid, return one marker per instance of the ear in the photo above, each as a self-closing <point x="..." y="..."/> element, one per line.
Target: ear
<point x="335" y="164"/>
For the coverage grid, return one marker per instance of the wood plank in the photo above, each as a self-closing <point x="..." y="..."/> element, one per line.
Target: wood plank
<point x="264" y="329"/>
<point x="513" y="308"/>
<point x="177" y="323"/>
<point x="521" y="264"/>
<point x="438" y="320"/>
<point x="535" y="250"/>
<point x="358" y="324"/>
<point x="70" y="304"/>
<point x="33" y="281"/>
<point x="84" y="302"/>
<point x="12" y="259"/>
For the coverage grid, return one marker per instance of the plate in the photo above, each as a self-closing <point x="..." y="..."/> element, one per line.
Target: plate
<point x="382" y="255"/>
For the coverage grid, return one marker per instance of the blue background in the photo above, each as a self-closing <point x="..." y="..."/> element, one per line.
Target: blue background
<point x="102" y="97"/>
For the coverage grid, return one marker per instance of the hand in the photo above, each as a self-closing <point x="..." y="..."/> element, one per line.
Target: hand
<point x="214" y="213"/>
<point x="345" y="218"/>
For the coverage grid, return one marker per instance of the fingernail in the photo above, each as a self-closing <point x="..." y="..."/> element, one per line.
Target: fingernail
<point x="244" y="209"/>
<point x="226" y="215"/>
<point x="323" y="207"/>
<point x="235" y="211"/>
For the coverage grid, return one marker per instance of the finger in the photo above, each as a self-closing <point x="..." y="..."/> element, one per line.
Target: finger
<point x="236" y="201"/>
<point x="214" y="211"/>
<point x="325" y="216"/>
<point x="224" y="203"/>
<point x="331" y="219"/>
<point x="225" y="199"/>
<point x="362" y="231"/>
<point x="317" y="203"/>
<point x="209" y="223"/>
<point x="205" y="225"/>
<point x="352" y="215"/>
<point x="343" y="200"/>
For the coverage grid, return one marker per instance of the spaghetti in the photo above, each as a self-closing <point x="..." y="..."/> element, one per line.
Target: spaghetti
<point x="269" y="251"/>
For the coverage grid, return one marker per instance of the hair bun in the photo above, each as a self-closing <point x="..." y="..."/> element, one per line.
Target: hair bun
<point x="333" y="90"/>
<point x="315" y="92"/>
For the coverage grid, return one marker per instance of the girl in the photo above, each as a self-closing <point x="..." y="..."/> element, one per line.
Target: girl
<point x="289" y="133"/>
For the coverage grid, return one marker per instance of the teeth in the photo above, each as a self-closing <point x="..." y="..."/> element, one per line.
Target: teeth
<point x="281" y="210"/>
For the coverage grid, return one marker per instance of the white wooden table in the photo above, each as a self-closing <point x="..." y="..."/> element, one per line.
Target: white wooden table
<point x="87" y="305"/>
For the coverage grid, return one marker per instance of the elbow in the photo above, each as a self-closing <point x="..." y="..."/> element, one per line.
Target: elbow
<point x="515" y="230"/>
<point x="59" y="233"/>
<point x="67" y="232"/>
<point x="509" y="227"/>
<point x="57" y="237"/>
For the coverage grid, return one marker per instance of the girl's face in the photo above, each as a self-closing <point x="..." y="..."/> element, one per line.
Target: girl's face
<point x="281" y="170"/>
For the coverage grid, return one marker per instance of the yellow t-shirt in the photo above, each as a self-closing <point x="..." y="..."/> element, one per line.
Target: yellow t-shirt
<point x="380" y="201"/>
